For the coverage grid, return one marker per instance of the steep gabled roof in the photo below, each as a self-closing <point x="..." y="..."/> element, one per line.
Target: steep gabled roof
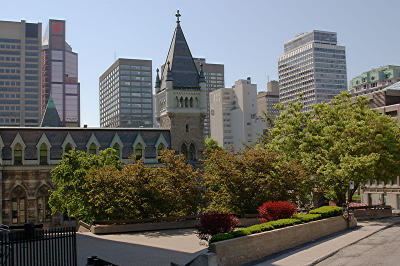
<point x="183" y="68"/>
<point x="51" y="117"/>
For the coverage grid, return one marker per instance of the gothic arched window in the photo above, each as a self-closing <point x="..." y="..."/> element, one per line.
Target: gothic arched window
<point x="43" y="154"/>
<point x="191" y="102"/>
<point x="68" y="147"/>
<point x="42" y="205"/>
<point x="197" y="102"/>
<point x="177" y="101"/>
<point x="186" y="102"/>
<point x="117" y="149"/>
<point x="93" y="149"/>
<point x="181" y="102"/>
<point x="187" y="128"/>
<point x="18" y="206"/>
<point x="18" y="154"/>
<point x="138" y="151"/>
<point x="184" y="150"/>
<point x="192" y="153"/>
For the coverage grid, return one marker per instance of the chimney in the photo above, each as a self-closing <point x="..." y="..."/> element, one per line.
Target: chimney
<point x="248" y="80"/>
<point x="84" y="126"/>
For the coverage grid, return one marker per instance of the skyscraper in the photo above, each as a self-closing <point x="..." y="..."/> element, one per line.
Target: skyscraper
<point x="126" y="98"/>
<point x="313" y="66"/>
<point x="20" y="70"/>
<point x="267" y="99"/>
<point x="214" y="74"/>
<point x="60" y="74"/>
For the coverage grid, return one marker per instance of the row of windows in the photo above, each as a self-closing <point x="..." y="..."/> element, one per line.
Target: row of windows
<point x="135" y="67"/>
<point x="44" y="152"/>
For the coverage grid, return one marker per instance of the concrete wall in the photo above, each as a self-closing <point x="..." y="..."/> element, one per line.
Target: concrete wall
<point x="250" y="248"/>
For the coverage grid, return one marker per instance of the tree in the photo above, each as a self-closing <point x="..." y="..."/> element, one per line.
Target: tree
<point x="210" y="145"/>
<point x="336" y="143"/>
<point x="69" y="195"/>
<point x="240" y="183"/>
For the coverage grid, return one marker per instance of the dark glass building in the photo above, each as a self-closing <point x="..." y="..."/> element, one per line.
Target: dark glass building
<point x="60" y="74"/>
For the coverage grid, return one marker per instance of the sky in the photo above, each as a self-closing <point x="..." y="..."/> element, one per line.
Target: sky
<point x="246" y="36"/>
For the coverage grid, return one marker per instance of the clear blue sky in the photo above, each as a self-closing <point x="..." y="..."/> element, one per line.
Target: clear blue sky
<point x="246" y="36"/>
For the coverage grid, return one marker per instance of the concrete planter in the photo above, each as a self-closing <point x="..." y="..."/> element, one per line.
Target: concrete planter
<point x="246" y="249"/>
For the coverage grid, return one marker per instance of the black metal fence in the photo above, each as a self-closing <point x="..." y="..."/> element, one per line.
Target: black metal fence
<point x="34" y="246"/>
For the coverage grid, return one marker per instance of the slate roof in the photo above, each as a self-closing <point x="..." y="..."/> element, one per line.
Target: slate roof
<point x="51" y="117"/>
<point x="183" y="69"/>
<point x="80" y="136"/>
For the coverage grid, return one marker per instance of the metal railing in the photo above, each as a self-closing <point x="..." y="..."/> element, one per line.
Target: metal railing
<point x="32" y="245"/>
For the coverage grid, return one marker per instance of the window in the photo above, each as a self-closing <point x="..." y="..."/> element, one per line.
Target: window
<point x="42" y="206"/>
<point x="187" y="128"/>
<point x="184" y="150"/>
<point x="18" y="206"/>
<point x="116" y="148"/>
<point x="159" y="149"/>
<point x="192" y="153"/>
<point x="68" y="147"/>
<point x="43" y="154"/>
<point x="93" y="149"/>
<point x="138" y="151"/>
<point x="18" y="154"/>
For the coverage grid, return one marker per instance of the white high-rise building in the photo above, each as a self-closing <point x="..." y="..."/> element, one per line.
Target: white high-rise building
<point x="233" y="115"/>
<point x="313" y="66"/>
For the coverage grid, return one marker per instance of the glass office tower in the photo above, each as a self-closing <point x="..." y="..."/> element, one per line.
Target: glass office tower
<point x="20" y="68"/>
<point x="313" y="66"/>
<point x="60" y="74"/>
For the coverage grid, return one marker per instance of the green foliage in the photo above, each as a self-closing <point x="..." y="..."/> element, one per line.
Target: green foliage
<point x="239" y="183"/>
<point x="284" y="222"/>
<point x="305" y="218"/>
<point x="336" y="143"/>
<point x="69" y="195"/>
<point x="93" y="187"/>
<point x="211" y="145"/>
<point x="327" y="211"/>
<point x="221" y="237"/>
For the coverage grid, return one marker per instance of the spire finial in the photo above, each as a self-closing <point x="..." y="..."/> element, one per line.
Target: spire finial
<point x="177" y="15"/>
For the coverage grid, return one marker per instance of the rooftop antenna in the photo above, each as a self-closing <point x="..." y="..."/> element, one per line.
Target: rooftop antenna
<point x="268" y="77"/>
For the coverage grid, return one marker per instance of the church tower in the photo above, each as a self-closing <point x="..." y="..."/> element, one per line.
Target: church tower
<point x="181" y="98"/>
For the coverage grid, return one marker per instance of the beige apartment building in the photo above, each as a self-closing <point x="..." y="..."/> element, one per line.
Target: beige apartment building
<point x="233" y="115"/>
<point x="375" y="192"/>
<point x="20" y="73"/>
<point x="214" y="76"/>
<point x="266" y="100"/>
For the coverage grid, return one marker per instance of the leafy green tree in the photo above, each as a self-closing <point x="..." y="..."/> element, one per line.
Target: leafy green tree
<point x="240" y="183"/>
<point x="69" y="195"/>
<point x="211" y="145"/>
<point x="336" y="143"/>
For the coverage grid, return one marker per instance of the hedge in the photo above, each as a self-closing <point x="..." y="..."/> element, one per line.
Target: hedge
<point x="316" y="214"/>
<point x="327" y="211"/>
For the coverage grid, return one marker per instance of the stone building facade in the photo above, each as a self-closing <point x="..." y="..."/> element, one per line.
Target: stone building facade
<point x="181" y="102"/>
<point x="27" y="155"/>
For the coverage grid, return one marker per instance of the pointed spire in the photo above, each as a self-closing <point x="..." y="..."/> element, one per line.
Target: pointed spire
<point x="182" y="67"/>
<point x="158" y="81"/>
<point x="202" y="78"/>
<point x="51" y="117"/>
<point x="169" y="73"/>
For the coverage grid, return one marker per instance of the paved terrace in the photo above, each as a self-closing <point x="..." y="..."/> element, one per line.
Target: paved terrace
<point x="180" y="246"/>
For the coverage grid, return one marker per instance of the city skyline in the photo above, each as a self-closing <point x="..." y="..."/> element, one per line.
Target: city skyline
<point x="139" y="30"/>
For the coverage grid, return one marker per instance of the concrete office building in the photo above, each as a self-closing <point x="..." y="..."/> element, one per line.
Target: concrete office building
<point x="314" y="66"/>
<point x="20" y="73"/>
<point x="214" y="75"/>
<point x="60" y="74"/>
<point x="126" y="98"/>
<point x="267" y="99"/>
<point x="233" y="115"/>
<point x="374" y="80"/>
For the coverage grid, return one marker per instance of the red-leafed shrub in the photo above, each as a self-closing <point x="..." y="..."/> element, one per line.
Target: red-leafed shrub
<point x="215" y="223"/>
<point x="275" y="210"/>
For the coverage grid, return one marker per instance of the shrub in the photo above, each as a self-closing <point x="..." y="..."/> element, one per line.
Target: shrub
<point x="221" y="237"/>
<point x="305" y="218"/>
<point x="275" y="210"/>
<point x="215" y="223"/>
<point x="327" y="211"/>
<point x="283" y="223"/>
